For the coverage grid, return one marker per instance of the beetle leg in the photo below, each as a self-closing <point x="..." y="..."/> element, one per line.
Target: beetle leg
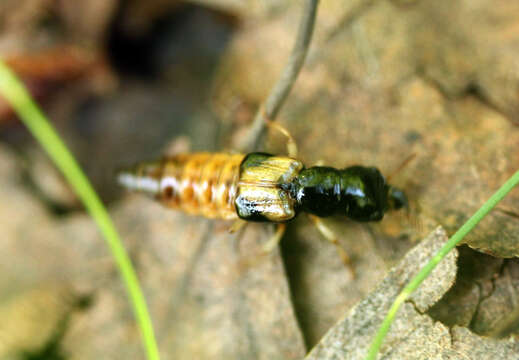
<point x="329" y="235"/>
<point x="268" y="247"/>
<point x="291" y="144"/>
<point x="237" y="225"/>
<point x="275" y="239"/>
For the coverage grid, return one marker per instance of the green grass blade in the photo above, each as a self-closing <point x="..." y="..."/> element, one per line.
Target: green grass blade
<point x="426" y="270"/>
<point x="16" y="94"/>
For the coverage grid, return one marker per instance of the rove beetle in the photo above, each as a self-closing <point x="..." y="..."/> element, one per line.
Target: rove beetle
<point x="267" y="188"/>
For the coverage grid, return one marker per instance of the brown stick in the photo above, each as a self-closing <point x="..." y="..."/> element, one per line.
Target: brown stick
<point x="270" y="108"/>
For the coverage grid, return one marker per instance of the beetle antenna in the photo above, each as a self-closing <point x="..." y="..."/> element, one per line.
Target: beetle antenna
<point x="402" y="165"/>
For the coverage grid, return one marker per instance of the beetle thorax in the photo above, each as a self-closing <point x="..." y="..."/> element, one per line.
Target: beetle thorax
<point x="261" y="196"/>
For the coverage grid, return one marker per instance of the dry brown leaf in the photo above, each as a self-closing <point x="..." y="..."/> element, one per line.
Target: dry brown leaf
<point x="351" y="337"/>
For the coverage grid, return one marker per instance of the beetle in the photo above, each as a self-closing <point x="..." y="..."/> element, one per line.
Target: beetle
<point x="263" y="187"/>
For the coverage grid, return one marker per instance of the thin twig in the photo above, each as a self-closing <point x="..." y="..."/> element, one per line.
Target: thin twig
<point x="270" y="108"/>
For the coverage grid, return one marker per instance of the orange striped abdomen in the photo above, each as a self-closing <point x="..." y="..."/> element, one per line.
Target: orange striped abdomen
<point x="198" y="184"/>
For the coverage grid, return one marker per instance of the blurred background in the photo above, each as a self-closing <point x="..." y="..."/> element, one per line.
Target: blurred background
<point x="127" y="80"/>
<point x="118" y="78"/>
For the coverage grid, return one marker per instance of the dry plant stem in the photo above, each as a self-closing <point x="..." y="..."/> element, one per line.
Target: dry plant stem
<point x="270" y="108"/>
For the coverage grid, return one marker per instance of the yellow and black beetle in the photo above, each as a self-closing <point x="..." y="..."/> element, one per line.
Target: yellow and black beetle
<point x="264" y="187"/>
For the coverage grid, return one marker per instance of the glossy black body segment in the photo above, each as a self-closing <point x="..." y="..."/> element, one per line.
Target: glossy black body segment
<point x="358" y="192"/>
